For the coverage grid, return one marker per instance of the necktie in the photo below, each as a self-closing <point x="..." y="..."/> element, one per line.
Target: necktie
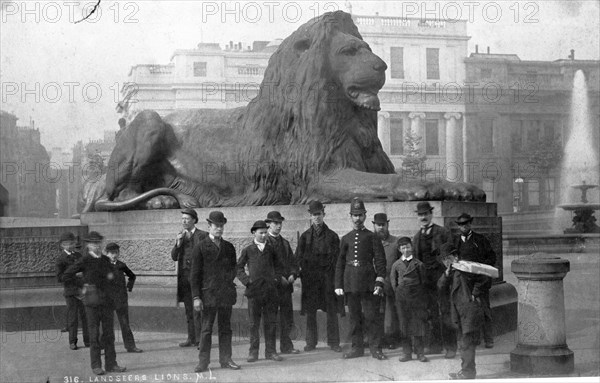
<point x="318" y="229"/>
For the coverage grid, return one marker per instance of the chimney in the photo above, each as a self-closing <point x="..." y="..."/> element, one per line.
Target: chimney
<point x="488" y="50"/>
<point x="572" y="55"/>
<point x="230" y="44"/>
<point x="476" y="48"/>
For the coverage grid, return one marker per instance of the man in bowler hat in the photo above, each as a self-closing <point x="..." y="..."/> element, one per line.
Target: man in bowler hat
<point x="471" y="246"/>
<point x="181" y="253"/>
<point x="359" y="274"/>
<point x="391" y="333"/>
<point x="265" y="269"/>
<point x="427" y="242"/>
<point x="285" y="287"/>
<point x="317" y="252"/>
<point x="72" y="290"/>
<point x="213" y="290"/>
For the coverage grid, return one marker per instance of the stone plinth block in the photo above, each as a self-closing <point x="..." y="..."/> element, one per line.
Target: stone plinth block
<point x="542" y="344"/>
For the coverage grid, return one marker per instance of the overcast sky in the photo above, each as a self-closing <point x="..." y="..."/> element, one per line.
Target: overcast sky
<point x="41" y="46"/>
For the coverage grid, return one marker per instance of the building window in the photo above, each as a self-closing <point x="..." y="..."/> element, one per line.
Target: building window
<point x="533" y="132"/>
<point x="432" y="147"/>
<point x="533" y="193"/>
<point x="397" y="62"/>
<point x="200" y="69"/>
<point x="488" y="188"/>
<point x="485" y="73"/>
<point x="549" y="129"/>
<point x="433" y="63"/>
<point x="396" y="137"/>
<point x="550" y="192"/>
<point x="531" y="76"/>
<point x="486" y="134"/>
<point x="516" y="138"/>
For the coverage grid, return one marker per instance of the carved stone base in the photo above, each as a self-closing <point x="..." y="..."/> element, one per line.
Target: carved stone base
<point x="530" y="360"/>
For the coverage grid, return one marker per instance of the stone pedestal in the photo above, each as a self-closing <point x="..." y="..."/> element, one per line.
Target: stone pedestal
<point x="542" y="344"/>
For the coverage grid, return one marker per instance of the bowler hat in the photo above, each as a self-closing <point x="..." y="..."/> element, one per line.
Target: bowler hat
<point x="191" y="212"/>
<point x="217" y="217"/>
<point x="463" y="219"/>
<point x="274" y="216"/>
<point x="357" y="206"/>
<point x="447" y="249"/>
<point x="380" y="218"/>
<point x="111" y="247"/>
<point x="94" y="236"/>
<point x="315" y="207"/>
<point x="259" y="225"/>
<point x="423" y="207"/>
<point x="68" y="236"/>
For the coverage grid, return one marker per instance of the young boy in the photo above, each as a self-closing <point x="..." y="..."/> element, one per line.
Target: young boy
<point x="408" y="281"/>
<point x="466" y="308"/>
<point x="120" y="294"/>
<point x="264" y="270"/>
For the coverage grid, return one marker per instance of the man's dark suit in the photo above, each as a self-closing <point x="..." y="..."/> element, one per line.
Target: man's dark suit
<point x="122" y="301"/>
<point x="360" y="267"/>
<point x="284" y="291"/>
<point x="211" y="280"/>
<point x="72" y="289"/>
<point x="98" y="274"/>
<point x="427" y="249"/>
<point x="183" y="256"/>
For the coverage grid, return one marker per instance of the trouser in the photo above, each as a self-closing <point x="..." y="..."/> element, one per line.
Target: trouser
<point x="391" y="324"/>
<point x="101" y="316"/>
<point x="193" y="317"/>
<point x="368" y="304"/>
<point x="267" y="309"/>
<point x="333" y="328"/>
<point x="488" y="331"/>
<point x="75" y="310"/>
<point x="123" y="316"/>
<point x="448" y="333"/>
<point x="413" y="343"/>
<point x="286" y="319"/>
<point x="468" y="343"/>
<point x="434" y="339"/>
<point x="223" y="315"/>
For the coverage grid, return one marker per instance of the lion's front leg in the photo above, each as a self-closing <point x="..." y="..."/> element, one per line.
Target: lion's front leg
<point x="345" y="184"/>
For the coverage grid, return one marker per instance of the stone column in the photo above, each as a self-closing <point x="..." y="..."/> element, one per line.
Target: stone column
<point x="542" y="344"/>
<point x="416" y="125"/>
<point x="454" y="156"/>
<point x="383" y="130"/>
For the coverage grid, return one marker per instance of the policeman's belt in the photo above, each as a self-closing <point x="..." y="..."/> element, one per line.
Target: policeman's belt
<point x="357" y="263"/>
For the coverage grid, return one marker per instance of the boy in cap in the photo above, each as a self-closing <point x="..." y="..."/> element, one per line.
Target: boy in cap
<point x="264" y="271"/>
<point x="72" y="290"/>
<point x="285" y="287"/>
<point x="98" y="276"/>
<point x="120" y="294"/>
<point x="466" y="309"/>
<point x="359" y="274"/>
<point x="213" y="290"/>
<point x="317" y="252"/>
<point x="407" y="279"/>
<point x="390" y="247"/>
<point x="472" y="246"/>
<point x="181" y="253"/>
<point x="426" y="243"/>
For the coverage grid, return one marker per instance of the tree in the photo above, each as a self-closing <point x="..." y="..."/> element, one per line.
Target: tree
<point x="546" y="154"/>
<point x="413" y="161"/>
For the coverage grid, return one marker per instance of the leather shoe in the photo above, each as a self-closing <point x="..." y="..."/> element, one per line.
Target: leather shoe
<point x="450" y="354"/>
<point x="64" y="329"/>
<point x="201" y="367"/>
<point x="86" y="345"/>
<point x="336" y="348"/>
<point x="231" y="365"/>
<point x="379" y="355"/>
<point x="135" y="349"/>
<point x="116" y="368"/>
<point x="489" y="344"/>
<point x="73" y="346"/>
<point x="291" y="351"/>
<point x="422" y="358"/>
<point x="275" y="357"/>
<point x="189" y="343"/>
<point x="405" y="358"/>
<point x="353" y="354"/>
<point x="252" y="358"/>
<point x="308" y="348"/>
<point x="459" y="376"/>
<point x="392" y="346"/>
<point x="98" y="371"/>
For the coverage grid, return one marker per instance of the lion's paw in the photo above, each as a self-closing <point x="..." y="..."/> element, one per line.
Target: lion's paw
<point x="161" y="202"/>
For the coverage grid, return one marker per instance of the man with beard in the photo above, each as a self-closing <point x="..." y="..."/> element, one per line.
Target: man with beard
<point x="359" y="274"/>
<point x="318" y="249"/>
<point x="427" y="243"/>
<point x="389" y="242"/>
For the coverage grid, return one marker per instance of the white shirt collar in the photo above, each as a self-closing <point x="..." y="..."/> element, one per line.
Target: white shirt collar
<point x="406" y="259"/>
<point x="261" y="246"/>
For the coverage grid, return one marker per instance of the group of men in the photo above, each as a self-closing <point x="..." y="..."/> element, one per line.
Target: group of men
<point x="354" y="271"/>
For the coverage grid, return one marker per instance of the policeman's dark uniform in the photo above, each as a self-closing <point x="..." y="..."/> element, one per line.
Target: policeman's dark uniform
<point x="360" y="267"/>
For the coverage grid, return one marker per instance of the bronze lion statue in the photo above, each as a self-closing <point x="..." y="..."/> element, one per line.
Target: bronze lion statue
<point x="311" y="133"/>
